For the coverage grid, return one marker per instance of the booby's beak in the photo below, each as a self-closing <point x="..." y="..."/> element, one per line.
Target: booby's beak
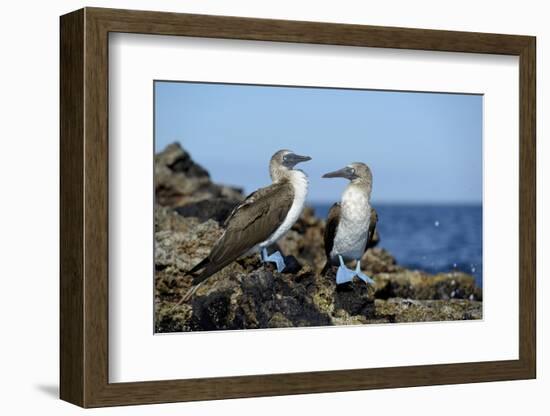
<point x="347" y="172"/>
<point x="292" y="159"/>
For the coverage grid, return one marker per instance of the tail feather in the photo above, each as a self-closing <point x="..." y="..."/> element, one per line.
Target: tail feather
<point x="203" y="263"/>
<point x="209" y="270"/>
<point x="186" y="297"/>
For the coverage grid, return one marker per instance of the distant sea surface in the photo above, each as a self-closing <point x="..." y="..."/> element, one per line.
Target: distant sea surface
<point x="433" y="238"/>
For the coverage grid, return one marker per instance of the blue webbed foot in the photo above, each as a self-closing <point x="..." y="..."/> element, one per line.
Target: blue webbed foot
<point x="343" y="274"/>
<point x="361" y="275"/>
<point x="276" y="258"/>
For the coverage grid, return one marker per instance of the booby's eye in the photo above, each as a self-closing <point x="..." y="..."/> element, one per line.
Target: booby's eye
<point x="352" y="171"/>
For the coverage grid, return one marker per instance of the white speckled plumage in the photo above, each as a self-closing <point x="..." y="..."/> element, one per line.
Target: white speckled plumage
<point x="351" y="235"/>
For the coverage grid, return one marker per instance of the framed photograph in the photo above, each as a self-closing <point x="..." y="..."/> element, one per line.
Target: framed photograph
<point x="255" y="207"/>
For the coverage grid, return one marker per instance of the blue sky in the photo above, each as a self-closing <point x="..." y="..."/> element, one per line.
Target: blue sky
<point x="421" y="147"/>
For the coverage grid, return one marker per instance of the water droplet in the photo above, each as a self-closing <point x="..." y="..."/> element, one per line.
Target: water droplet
<point x="455" y="265"/>
<point x="436" y="223"/>
<point x="473" y="269"/>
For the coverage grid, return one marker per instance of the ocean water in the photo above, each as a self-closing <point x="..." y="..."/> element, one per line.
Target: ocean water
<point x="434" y="238"/>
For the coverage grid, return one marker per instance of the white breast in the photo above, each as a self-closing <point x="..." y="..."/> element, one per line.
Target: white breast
<point x="352" y="233"/>
<point x="299" y="182"/>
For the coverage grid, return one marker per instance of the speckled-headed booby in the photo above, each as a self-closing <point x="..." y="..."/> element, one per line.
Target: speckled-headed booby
<point x="351" y="223"/>
<point x="262" y="219"/>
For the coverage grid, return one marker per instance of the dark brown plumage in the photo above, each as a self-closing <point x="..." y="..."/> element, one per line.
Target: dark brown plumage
<point x="372" y="228"/>
<point x="251" y="223"/>
<point x="331" y="228"/>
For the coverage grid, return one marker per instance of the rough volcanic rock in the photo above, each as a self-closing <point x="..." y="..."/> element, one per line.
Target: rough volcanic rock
<point x="189" y="218"/>
<point x="179" y="180"/>
<point x="415" y="284"/>
<point x="410" y="310"/>
<point x="237" y="298"/>
<point x="217" y="209"/>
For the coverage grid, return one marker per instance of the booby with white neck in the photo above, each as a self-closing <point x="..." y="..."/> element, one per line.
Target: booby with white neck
<point x="261" y="219"/>
<point x="350" y="224"/>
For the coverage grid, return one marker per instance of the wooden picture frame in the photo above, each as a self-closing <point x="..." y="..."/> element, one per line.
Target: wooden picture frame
<point x="84" y="207"/>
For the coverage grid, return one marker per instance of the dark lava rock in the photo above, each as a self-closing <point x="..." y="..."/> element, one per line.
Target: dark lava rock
<point x="217" y="209"/>
<point x="355" y="299"/>
<point x="261" y="299"/>
<point x="211" y="312"/>
<point x="179" y="180"/>
<point x="409" y="310"/>
<point x="416" y="284"/>
<point x="179" y="161"/>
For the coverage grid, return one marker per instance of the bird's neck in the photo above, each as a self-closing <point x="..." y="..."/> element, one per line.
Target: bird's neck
<point x="360" y="186"/>
<point x="299" y="181"/>
<point x="278" y="173"/>
<point x="355" y="197"/>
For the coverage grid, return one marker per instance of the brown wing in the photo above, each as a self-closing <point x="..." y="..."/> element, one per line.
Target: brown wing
<point x="333" y="220"/>
<point x="249" y="224"/>
<point x="372" y="228"/>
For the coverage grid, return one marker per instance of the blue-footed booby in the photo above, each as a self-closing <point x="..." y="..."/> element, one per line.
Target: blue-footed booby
<point x="260" y="220"/>
<point x="351" y="223"/>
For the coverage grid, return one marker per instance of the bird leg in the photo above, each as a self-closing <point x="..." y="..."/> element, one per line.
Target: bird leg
<point x="343" y="274"/>
<point x="361" y="275"/>
<point x="276" y="258"/>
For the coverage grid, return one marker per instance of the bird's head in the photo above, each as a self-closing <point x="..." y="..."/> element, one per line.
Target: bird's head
<point x="356" y="172"/>
<point x="284" y="161"/>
